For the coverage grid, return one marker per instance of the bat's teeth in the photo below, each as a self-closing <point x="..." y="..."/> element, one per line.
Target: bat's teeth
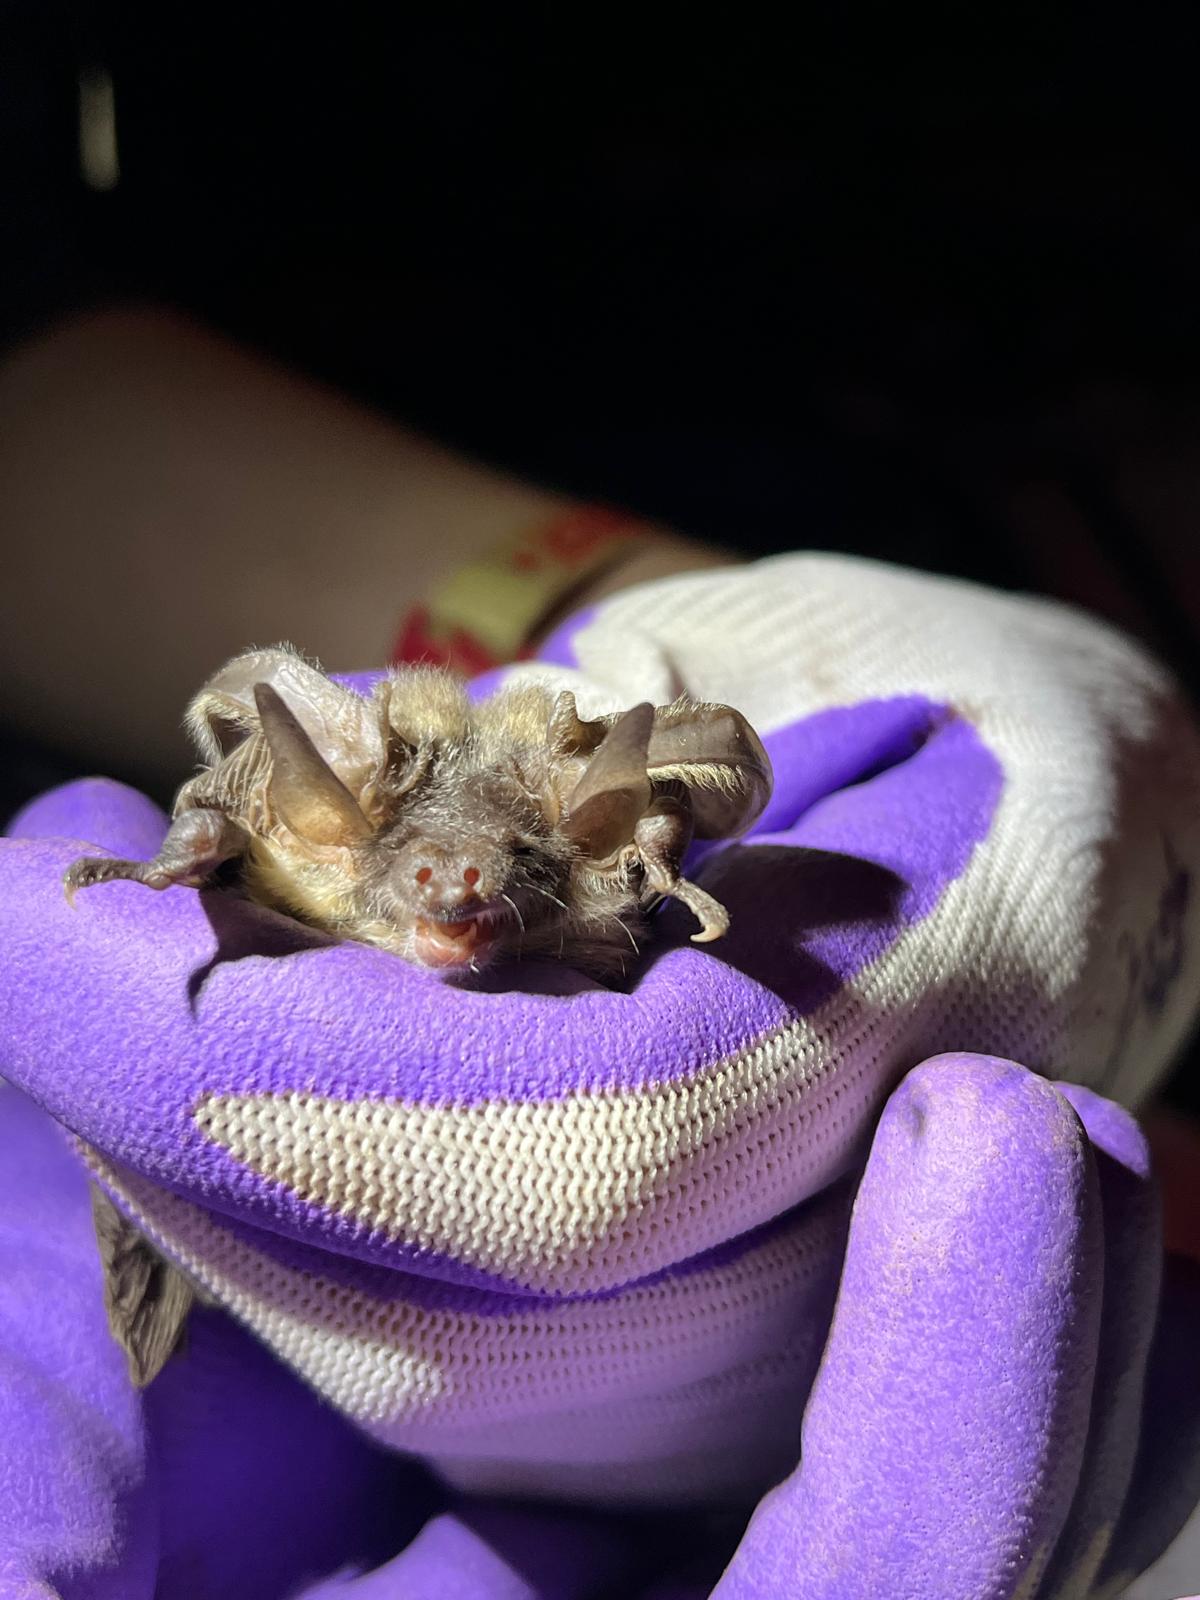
<point x="452" y="944"/>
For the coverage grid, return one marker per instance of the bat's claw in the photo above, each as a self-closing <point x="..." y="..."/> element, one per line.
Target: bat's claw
<point x="709" y="913"/>
<point x="80" y="874"/>
<point x="89" y="870"/>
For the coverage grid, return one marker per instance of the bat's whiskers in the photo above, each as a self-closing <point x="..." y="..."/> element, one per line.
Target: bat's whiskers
<point x="508" y="899"/>
<point x="537" y="888"/>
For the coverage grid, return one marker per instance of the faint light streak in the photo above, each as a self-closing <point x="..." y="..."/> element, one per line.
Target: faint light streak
<point x="99" y="164"/>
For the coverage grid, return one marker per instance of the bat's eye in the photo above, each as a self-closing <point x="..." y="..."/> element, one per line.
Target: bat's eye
<point x="424" y="874"/>
<point x="470" y="876"/>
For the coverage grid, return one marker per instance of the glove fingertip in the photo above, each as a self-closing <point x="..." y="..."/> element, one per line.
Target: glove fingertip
<point x="101" y="811"/>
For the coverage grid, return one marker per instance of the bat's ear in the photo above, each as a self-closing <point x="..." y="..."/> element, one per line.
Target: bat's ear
<point x="612" y="796"/>
<point x="717" y="754"/>
<point x="306" y="792"/>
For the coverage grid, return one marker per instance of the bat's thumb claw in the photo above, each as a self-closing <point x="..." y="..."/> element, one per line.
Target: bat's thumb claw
<point x="709" y="913"/>
<point x="81" y="874"/>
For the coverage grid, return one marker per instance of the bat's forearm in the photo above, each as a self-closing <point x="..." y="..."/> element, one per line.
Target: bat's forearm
<point x="197" y="843"/>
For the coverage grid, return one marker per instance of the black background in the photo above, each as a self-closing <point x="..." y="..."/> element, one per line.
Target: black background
<point x="756" y="282"/>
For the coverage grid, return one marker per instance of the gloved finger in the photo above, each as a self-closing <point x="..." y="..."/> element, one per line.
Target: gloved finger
<point x="99" y="811"/>
<point x="499" y="1552"/>
<point x="945" y="1433"/>
<point x="171" y="938"/>
<point x="1132" y="1271"/>
<point x="1166" y="1478"/>
<point x="77" y="1497"/>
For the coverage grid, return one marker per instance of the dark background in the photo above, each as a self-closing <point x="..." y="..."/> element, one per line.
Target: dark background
<point x="844" y="286"/>
<point x="916" y="284"/>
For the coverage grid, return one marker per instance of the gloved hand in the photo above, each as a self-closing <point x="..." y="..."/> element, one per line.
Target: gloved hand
<point x="975" y="1426"/>
<point x="583" y="1243"/>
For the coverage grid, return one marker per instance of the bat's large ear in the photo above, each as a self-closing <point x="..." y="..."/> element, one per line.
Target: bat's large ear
<point x="613" y="794"/>
<point x="308" y="795"/>
<point x="718" y="755"/>
<point x="570" y="734"/>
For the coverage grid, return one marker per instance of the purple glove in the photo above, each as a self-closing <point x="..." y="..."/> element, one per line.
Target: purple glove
<point x="584" y="1244"/>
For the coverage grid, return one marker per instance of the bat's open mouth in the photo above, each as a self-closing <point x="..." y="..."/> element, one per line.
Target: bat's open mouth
<point x="455" y="944"/>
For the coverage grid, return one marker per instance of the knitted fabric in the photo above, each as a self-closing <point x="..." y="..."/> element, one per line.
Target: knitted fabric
<point x="582" y="1242"/>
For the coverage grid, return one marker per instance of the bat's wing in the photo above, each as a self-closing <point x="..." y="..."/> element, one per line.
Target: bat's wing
<point x="146" y="1298"/>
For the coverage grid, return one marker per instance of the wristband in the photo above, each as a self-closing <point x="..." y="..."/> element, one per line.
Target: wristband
<point x="487" y="612"/>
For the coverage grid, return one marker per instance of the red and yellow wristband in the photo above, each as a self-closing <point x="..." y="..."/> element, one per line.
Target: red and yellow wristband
<point x="488" y="612"/>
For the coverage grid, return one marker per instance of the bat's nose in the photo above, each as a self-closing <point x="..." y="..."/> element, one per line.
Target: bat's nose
<point x="450" y="886"/>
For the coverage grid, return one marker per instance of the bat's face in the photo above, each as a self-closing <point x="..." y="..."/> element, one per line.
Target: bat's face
<point x="472" y="868"/>
<point x="463" y="846"/>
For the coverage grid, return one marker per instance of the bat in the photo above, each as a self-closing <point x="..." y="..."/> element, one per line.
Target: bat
<point x="451" y="833"/>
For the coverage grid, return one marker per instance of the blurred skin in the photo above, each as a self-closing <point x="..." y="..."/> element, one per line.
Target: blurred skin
<point x="168" y="499"/>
